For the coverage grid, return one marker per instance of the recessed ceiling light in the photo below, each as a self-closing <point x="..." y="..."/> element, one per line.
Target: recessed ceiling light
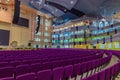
<point x="44" y="4"/>
<point x="56" y="10"/>
<point x="65" y="10"/>
<point x="31" y="1"/>
<point x="71" y="2"/>
<point x="52" y="11"/>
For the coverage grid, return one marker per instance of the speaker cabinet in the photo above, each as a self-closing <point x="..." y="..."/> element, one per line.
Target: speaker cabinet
<point x="16" y="12"/>
<point x="38" y="24"/>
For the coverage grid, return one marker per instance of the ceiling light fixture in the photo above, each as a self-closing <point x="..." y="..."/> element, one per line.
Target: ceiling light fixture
<point x="65" y="10"/>
<point x="71" y="2"/>
<point x="31" y="1"/>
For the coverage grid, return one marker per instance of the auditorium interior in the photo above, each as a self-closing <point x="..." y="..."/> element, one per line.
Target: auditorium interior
<point x="59" y="40"/>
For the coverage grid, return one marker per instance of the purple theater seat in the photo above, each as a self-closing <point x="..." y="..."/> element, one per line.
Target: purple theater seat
<point x="108" y="74"/>
<point x="77" y="69"/>
<point x="56" y="64"/>
<point x="22" y="69"/>
<point x="26" y="62"/>
<point x="7" y="78"/>
<point x="44" y="75"/>
<point x="113" y="70"/>
<point x="4" y="64"/>
<point x="46" y="65"/>
<point x="117" y="68"/>
<point x="35" y="67"/>
<point x="83" y="67"/>
<point x="15" y="63"/>
<point x="6" y="72"/>
<point x="93" y="65"/>
<point x="101" y="75"/>
<point x="28" y="76"/>
<point x="68" y="71"/>
<point x="97" y="63"/>
<point x="58" y="73"/>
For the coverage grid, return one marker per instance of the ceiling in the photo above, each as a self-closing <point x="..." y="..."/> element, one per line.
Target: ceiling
<point x="73" y="9"/>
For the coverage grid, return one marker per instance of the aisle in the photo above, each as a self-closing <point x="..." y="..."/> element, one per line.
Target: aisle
<point x="113" y="61"/>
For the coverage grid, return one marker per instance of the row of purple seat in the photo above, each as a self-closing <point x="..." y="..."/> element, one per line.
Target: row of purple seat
<point x="49" y="62"/>
<point x="60" y="72"/>
<point x="68" y="71"/>
<point x="42" y="54"/>
<point x="45" y="58"/>
<point x="21" y="69"/>
<point x="30" y="61"/>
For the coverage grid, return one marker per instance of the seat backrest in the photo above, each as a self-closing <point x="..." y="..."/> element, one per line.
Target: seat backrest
<point x="68" y="71"/>
<point x="113" y="70"/>
<point x="4" y="64"/>
<point x="22" y="69"/>
<point x="101" y="75"/>
<point x="117" y="68"/>
<point x="108" y="74"/>
<point x="6" y="72"/>
<point x="46" y="65"/>
<point x="15" y="63"/>
<point x="57" y="73"/>
<point x="44" y="75"/>
<point x="56" y="64"/>
<point x="28" y="76"/>
<point x="83" y="67"/>
<point x="76" y="69"/>
<point x="35" y="67"/>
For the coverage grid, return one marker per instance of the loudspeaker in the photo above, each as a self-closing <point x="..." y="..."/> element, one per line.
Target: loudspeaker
<point x="38" y="24"/>
<point x="16" y="12"/>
